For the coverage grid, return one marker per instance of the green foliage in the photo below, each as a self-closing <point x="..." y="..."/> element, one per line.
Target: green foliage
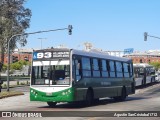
<point x="16" y="66"/>
<point x="156" y="65"/>
<point x="17" y="82"/>
<point x="4" y="68"/>
<point x="19" y="65"/>
<point x="4" y="85"/>
<point x="14" y="19"/>
<point x="23" y="62"/>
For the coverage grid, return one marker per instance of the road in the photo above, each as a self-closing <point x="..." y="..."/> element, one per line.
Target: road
<point x="146" y="99"/>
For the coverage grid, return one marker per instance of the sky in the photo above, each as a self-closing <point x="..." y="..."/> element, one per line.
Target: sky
<point x="108" y="24"/>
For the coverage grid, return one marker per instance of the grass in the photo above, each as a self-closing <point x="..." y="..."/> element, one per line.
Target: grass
<point x="5" y="94"/>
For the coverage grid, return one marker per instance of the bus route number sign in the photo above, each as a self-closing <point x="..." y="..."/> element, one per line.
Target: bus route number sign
<point x="47" y="55"/>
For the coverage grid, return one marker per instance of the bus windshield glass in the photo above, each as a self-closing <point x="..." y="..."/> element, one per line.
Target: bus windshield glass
<point x="50" y="73"/>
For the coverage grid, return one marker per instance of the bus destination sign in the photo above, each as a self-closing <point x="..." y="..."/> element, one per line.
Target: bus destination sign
<point x="48" y="55"/>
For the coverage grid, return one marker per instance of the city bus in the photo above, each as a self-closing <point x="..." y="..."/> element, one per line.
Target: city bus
<point x="69" y="75"/>
<point x="144" y="74"/>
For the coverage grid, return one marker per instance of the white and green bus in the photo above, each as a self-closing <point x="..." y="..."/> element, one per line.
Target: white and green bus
<point x="68" y="75"/>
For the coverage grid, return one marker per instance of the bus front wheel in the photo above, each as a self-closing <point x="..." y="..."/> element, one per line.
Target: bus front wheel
<point x="89" y="98"/>
<point x="52" y="104"/>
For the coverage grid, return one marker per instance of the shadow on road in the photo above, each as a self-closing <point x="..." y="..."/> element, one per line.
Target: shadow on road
<point x="79" y="105"/>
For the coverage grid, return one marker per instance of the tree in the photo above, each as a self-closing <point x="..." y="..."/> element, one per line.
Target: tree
<point x="16" y="66"/>
<point x="156" y="65"/>
<point x="14" y="19"/>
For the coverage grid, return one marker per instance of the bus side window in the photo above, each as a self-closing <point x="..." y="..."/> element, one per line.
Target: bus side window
<point x="112" y="69"/>
<point x="130" y="70"/>
<point x="78" y="70"/>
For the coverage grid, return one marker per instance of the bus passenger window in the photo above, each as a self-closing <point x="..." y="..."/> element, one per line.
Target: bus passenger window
<point x="112" y="69"/>
<point x="104" y="69"/>
<point x="131" y="70"/>
<point x="126" y="69"/>
<point x="86" y="67"/>
<point x="119" y="69"/>
<point x="78" y="69"/>
<point x="96" y="68"/>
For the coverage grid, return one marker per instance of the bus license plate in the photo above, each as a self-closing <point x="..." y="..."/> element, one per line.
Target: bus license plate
<point x="49" y="94"/>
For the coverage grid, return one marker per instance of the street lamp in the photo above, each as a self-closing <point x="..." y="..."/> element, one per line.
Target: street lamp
<point x="22" y="34"/>
<point x="41" y="40"/>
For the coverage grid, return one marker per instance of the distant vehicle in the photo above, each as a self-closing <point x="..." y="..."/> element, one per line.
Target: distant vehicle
<point x="68" y="75"/>
<point x="157" y="77"/>
<point x="144" y="74"/>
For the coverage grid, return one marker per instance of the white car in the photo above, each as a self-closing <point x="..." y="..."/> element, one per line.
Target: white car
<point x="157" y="77"/>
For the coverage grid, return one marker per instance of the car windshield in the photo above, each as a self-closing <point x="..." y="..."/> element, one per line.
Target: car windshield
<point x="50" y="74"/>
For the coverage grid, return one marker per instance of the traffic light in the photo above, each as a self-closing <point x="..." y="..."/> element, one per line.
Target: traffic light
<point x="145" y="36"/>
<point x="70" y="29"/>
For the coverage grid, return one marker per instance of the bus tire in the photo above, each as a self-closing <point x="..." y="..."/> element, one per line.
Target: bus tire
<point x="123" y="95"/>
<point x="95" y="101"/>
<point x="133" y="88"/>
<point x="89" y="98"/>
<point x="51" y="104"/>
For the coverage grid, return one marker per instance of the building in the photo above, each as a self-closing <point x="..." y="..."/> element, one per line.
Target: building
<point x="19" y="54"/>
<point x="137" y="57"/>
<point x="145" y="57"/>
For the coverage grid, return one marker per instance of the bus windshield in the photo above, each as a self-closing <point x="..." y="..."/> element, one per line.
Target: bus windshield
<point x="50" y="74"/>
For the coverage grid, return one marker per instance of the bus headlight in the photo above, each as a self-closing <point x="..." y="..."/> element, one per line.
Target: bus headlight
<point x="66" y="92"/>
<point x="63" y="93"/>
<point x="34" y="92"/>
<point x="69" y="91"/>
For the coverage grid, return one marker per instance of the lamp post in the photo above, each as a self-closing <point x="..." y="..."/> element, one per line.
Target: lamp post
<point x="22" y="34"/>
<point x="41" y="40"/>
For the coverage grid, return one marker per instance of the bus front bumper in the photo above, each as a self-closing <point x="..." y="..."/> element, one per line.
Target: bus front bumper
<point x="66" y="95"/>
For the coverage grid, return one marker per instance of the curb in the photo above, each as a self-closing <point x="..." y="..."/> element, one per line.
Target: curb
<point x="147" y="88"/>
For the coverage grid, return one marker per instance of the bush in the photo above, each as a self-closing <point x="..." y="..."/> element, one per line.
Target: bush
<point x="4" y="85"/>
<point x="11" y="71"/>
<point x="22" y="83"/>
<point x="4" y="68"/>
<point x="16" y="66"/>
<point x="156" y="65"/>
<point x="17" y="82"/>
<point x="28" y="82"/>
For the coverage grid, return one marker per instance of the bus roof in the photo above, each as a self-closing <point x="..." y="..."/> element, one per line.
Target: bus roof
<point x="99" y="54"/>
<point x="90" y="53"/>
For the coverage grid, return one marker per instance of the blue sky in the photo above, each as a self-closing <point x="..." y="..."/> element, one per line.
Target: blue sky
<point x="108" y="24"/>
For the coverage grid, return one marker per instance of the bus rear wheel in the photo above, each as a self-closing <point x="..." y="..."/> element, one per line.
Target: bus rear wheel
<point x="51" y="104"/>
<point x="123" y="95"/>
